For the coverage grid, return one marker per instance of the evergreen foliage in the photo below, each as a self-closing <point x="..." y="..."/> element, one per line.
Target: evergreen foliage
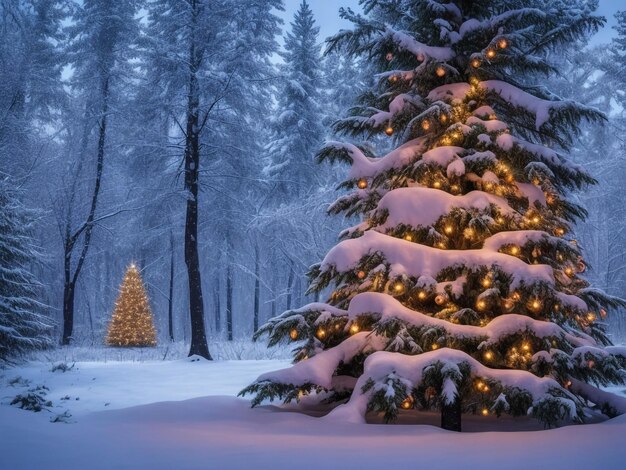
<point x="23" y="326"/>
<point x="297" y="127"/>
<point x="616" y="64"/>
<point x="132" y="323"/>
<point x="463" y="283"/>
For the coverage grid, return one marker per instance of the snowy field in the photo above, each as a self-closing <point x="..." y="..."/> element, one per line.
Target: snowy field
<point x="181" y="414"/>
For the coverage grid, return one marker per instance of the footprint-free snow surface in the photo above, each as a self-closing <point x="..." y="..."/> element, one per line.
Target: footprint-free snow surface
<point x="182" y="414"/>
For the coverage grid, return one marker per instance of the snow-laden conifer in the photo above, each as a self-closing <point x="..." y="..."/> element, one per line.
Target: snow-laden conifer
<point x="23" y="325"/>
<point x="462" y="288"/>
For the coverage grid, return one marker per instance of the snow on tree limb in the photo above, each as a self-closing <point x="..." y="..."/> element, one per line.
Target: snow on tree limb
<point x="411" y="259"/>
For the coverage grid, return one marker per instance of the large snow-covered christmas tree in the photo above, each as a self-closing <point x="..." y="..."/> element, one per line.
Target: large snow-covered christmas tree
<point x="462" y="288"/>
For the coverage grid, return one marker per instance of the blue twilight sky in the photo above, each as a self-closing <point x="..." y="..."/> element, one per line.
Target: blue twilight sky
<point x="327" y="16"/>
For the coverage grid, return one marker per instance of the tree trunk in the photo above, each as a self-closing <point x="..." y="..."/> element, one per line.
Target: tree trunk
<point x="218" y="304"/>
<point x="229" y="299"/>
<point x="451" y="416"/>
<point x="273" y="294"/>
<point x="86" y="229"/>
<point x="257" y="287"/>
<point x="68" y="313"/>
<point x="199" y="344"/>
<point x="170" y="303"/>
<point x="290" y="285"/>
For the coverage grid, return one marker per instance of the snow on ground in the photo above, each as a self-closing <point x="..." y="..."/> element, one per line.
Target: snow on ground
<point x="182" y="414"/>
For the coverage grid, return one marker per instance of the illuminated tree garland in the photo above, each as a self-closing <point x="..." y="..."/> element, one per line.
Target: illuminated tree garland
<point x="132" y="323"/>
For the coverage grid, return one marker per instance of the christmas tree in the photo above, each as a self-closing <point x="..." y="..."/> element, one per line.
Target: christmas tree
<point x="132" y="323"/>
<point x="462" y="288"/>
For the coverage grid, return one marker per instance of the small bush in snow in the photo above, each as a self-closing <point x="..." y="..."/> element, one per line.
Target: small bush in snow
<point x="62" y="366"/>
<point x="19" y="382"/>
<point x="33" y="400"/>
<point x="61" y="418"/>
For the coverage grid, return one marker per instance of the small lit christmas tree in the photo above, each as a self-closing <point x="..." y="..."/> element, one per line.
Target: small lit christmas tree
<point x="462" y="289"/>
<point x="132" y="323"/>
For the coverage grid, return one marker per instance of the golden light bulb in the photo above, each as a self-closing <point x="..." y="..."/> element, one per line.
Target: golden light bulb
<point x="440" y="71"/>
<point x="474" y="81"/>
<point x="407" y="404"/>
<point x="362" y="183"/>
<point x="398" y="287"/>
<point x="354" y="328"/>
<point x="569" y="271"/>
<point x="503" y="43"/>
<point x="480" y="385"/>
<point x="434" y="346"/>
<point x="408" y="237"/>
<point x="443" y="118"/>
<point x="526" y="347"/>
<point x="514" y="250"/>
<point x="437" y="185"/>
<point x="503" y="167"/>
<point x="491" y="53"/>
<point x="481" y="304"/>
<point x="425" y="124"/>
<point x="321" y="333"/>
<point x="559" y="231"/>
<point x="421" y="295"/>
<point x="475" y="63"/>
<point x="389" y="131"/>
<point x="361" y="275"/>
<point x="393" y="78"/>
<point x="485" y="412"/>
<point x="440" y="300"/>
<point x="591" y="317"/>
<point x="508" y="304"/>
<point x="455" y="188"/>
<point x="536" y="219"/>
<point x="535" y="305"/>
<point x="448" y="229"/>
<point x="488" y="355"/>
